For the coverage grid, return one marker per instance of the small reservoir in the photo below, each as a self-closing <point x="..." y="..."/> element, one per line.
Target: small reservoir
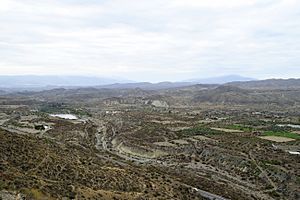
<point x="65" y="116"/>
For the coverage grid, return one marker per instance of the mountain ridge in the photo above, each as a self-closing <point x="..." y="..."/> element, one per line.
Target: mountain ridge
<point x="221" y="79"/>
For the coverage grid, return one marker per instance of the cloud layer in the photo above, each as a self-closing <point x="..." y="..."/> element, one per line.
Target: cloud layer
<point x="151" y="40"/>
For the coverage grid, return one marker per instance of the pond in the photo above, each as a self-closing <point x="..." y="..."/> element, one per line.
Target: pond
<point x="64" y="116"/>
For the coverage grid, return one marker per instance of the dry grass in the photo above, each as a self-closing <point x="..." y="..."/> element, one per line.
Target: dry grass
<point x="297" y="132"/>
<point x="88" y="193"/>
<point x="277" y="139"/>
<point x="201" y="137"/>
<point x="227" y="130"/>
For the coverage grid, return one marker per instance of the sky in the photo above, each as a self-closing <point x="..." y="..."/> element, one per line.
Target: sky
<point x="157" y="40"/>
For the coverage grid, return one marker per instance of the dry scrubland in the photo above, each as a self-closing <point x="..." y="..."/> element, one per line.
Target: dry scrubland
<point x="197" y="142"/>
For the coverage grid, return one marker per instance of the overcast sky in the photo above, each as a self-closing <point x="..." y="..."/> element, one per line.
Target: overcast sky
<point x="150" y="40"/>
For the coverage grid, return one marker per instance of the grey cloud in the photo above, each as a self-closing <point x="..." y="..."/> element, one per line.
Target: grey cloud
<point x="150" y="40"/>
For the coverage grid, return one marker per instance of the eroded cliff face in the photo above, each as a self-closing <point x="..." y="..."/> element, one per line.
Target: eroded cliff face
<point x="159" y="103"/>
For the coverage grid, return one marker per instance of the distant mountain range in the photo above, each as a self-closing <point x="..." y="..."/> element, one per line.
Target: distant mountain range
<point x="17" y="83"/>
<point x="50" y="82"/>
<point x="279" y="92"/>
<point x="268" y="84"/>
<point x="32" y="81"/>
<point x="147" y="85"/>
<point x="221" y="79"/>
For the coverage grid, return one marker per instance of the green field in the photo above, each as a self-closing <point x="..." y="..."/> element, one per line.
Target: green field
<point x="240" y="127"/>
<point x="282" y="134"/>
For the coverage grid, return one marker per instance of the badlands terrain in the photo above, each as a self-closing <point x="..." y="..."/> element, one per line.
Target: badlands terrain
<point x="233" y="141"/>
